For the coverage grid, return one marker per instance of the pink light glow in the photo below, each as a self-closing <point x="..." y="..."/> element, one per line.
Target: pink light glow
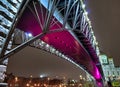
<point x="97" y="74"/>
<point x="63" y="41"/>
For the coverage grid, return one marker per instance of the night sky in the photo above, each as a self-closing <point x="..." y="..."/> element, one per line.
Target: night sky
<point x="36" y="62"/>
<point x="105" y="18"/>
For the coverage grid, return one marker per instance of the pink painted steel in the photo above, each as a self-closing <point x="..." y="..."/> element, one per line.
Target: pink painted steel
<point x="63" y="40"/>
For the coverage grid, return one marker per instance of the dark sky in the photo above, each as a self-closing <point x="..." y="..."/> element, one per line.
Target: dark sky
<point x="32" y="61"/>
<point x="105" y="18"/>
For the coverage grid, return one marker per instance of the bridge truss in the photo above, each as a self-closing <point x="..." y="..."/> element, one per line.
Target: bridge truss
<point x="61" y="27"/>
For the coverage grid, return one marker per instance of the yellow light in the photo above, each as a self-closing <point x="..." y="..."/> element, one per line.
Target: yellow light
<point x="48" y="78"/>
<point x="31" y="76"/>
<point x="80" y="84"/>
<point x="16" y="79"/>
<point x="38" y="84"/>
<point x="45" y="85"/>
<point x="27" y="84"/>
<point x="35" y="84"/>
<point x="80" y="76"/>
<point x="60" y="85"/>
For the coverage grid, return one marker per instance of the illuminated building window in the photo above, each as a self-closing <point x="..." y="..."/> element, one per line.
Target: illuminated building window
<point x="118" y="72"/>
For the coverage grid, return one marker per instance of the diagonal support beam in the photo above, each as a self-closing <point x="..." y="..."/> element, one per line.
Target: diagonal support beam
<point x="50" y="14"/>
<point x="20" y="47"/>
<point x="37" y="15"/>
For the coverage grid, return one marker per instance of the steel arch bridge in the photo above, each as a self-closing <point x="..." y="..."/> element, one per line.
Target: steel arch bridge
<point x="61" y="24"/>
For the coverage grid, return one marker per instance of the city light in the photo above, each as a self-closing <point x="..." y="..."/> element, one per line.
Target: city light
<point x="41" y="76"/>
<point x="27" y="84"/>
<point x="46" y="82"/>
<point x="29" y="34"/>
<point x="83" y="6"/>
<point x="47" y="45"/>
<point x="85" y="13"/>
<point x="56" y="51"/>
<point x="16" y="79"/>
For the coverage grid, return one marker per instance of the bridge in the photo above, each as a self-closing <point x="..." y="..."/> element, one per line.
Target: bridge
<point x="61" y="24"/>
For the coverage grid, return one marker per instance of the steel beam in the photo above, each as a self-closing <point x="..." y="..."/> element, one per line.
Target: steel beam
<point x="20" y="47"/>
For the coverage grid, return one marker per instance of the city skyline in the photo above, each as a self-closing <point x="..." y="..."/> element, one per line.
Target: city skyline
<point x="46" y="64"/>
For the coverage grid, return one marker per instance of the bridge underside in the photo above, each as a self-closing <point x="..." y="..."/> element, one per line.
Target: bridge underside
<point x="63" y="24"/>
<point x="34" y="20"/>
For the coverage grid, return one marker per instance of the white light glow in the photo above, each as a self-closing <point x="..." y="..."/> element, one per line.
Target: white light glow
<point x="43" y="75"/>
<point x="47" y="46"/>
<point x="83" y="6"/>
<point x="29" y="34"/>
<point x="86" y="13"/>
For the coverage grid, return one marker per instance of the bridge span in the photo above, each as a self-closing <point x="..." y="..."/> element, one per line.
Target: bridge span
<point x="62" y="24"/>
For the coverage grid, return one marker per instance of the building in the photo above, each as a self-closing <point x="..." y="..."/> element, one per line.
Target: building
<point x="109" y="70"/>
<point x="33" y="82"/>
<point x="2" y="70"/>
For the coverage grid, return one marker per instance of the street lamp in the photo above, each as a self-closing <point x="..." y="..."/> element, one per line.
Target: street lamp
<point x="29" y="34"/>
<point x="16" y="79"/>
<point x="27" y="84"/>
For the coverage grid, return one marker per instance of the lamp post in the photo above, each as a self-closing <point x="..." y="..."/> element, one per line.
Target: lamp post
<point x="48" y="79"/>
<point x="16" y="82"/>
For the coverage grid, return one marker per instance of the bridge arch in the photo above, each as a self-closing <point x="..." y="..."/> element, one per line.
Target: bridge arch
<point x="63" y="24"/>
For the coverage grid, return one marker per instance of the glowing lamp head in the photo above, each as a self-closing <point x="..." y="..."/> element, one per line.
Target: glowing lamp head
<point x="85" y="13"/>
<point x="29" y="34"/>
<point x="41" y="76"/>
<point x="83" y="6"/>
